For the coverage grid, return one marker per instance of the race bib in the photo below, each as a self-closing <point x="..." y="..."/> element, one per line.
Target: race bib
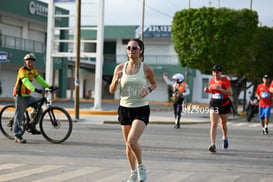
<point x="217" y="96"/>
<point x="265" y="95"/>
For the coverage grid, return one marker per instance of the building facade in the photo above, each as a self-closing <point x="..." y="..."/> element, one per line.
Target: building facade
<point x="24" y="30"/>
<point x="159" y="54"/>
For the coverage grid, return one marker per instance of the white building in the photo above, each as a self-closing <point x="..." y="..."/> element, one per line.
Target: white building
<point x="24" y="31"/>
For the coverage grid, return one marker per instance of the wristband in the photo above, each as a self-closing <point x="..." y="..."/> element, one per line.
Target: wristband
<point x="150" y="89"/>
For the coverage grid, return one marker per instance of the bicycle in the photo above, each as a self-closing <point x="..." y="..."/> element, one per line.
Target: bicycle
<point x="55" y="122"/>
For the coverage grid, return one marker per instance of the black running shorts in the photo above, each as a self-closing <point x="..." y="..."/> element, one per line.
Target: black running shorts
<point x="220" y="106"/>
<point x="127" y="115"/>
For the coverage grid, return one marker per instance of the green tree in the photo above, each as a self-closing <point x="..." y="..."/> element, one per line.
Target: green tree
<point x="207" y="36"/>
<point x="203" y="37"/>
<point x="262" y="62"/>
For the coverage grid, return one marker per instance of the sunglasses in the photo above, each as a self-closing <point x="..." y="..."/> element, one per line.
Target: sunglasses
<point x="130" y="48"/>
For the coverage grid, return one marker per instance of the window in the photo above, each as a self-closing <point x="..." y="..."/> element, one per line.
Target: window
<point x="70" y="82"/>
<point x="125" y="41"/>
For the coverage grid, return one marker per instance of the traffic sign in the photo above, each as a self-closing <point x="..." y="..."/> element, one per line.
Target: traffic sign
<point x="4" y="57"/>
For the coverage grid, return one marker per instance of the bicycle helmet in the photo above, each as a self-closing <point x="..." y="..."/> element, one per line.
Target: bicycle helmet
<point x="178" y="77"/>
<point x="30" y="57"/>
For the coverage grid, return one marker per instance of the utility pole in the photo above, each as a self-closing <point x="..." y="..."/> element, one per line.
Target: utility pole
<point x="99" y="56"/>
<point x="142" y="21"/>
<point x="251" y="4"/>
<point x="187" y="69"/>
<point x="77" y="61"/>
<point x="49" y="46"/>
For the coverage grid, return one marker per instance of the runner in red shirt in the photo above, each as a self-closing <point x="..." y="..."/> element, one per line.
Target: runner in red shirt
<point x="220" y="89"/>
<point x="264" y="96"/>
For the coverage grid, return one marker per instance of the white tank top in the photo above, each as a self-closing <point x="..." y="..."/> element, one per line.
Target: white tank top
<point x="130" y="85"/>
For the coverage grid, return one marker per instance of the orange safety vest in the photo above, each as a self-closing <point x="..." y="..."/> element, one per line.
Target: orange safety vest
<point x="181" y="87"/>
<point x="20" y="88"/>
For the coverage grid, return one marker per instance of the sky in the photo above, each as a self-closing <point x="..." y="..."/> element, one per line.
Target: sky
<point x="161" y="12"/>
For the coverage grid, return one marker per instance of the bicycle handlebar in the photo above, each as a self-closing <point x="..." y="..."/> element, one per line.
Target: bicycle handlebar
<point x="51" y="90"/>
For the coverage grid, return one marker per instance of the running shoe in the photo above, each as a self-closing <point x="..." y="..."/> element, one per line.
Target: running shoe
<point x="263" y="132"/>
<point x="212" y="148"/>
<point x="141" y="173"/>
<point x="225" y="143"/>
<point x="176" y="126"/>
<point x="34" y="131"/>
<point x="19" y="139"/>
<point x="132" y="177"/>
<point x="266" y="131"/>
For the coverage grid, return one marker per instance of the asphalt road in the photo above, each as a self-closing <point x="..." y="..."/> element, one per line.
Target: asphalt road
<point x="96" y="153"/>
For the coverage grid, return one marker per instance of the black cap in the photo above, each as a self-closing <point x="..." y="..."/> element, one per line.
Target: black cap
<point x="266" y="76"/>
<point x="217" y="67"/>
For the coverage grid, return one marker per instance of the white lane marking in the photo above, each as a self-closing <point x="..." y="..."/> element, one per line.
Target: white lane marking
<point x="70" y="174"/>
<point x="28" y="172"/>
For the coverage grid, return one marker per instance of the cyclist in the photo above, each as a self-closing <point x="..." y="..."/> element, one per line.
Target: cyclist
<point x="22" y="89"/>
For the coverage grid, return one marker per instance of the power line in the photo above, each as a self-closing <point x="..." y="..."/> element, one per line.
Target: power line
<point x="174" y="5"/>
<point x="158" y="11"/>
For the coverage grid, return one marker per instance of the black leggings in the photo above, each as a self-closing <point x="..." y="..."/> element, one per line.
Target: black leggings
<point x="177" y="107"/>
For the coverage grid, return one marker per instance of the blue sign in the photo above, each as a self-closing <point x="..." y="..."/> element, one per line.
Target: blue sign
<point x="155" y="31"/>
<point x="4" y="57"/>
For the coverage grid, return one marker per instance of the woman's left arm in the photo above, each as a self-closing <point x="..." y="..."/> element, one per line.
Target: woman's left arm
<point x="227" y="91"/>
<point x="149" y="73"/>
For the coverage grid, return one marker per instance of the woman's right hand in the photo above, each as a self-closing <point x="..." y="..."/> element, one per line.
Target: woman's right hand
<point x="206" y="89"/>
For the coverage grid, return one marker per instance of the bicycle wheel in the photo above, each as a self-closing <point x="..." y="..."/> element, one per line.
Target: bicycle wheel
<point x="56" y="124"/>
<point x="6" y="121"/>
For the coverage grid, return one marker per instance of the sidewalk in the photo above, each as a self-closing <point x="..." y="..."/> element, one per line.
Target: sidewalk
<point x="161" y="112"/>
<point x="155" y="118"/>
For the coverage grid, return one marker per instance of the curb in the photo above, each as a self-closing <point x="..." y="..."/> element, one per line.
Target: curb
<point x="71" y="111"/>
<point x="164" y="122"/>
